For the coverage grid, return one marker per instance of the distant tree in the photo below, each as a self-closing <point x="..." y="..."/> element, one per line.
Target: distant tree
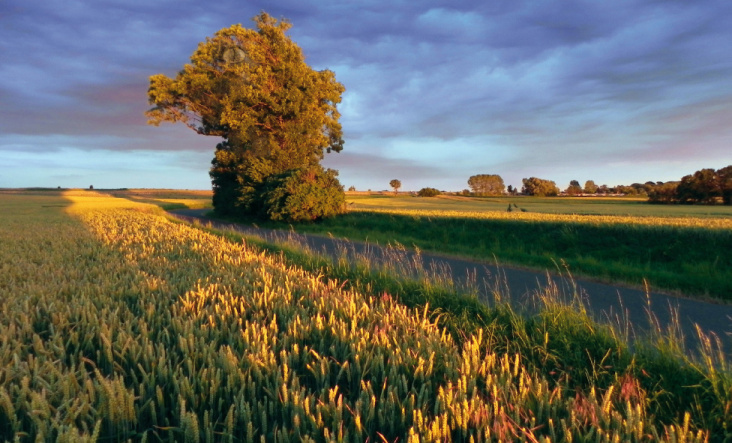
<point x="590" y="187"/>
<point x="91" y="186"/>
<point x="705" y="186"/>
<point x="276" y="114"/>
<point x="640" y="189"/>
<point x="396" y="184"/>
<point x="351" y="188"/>
<point x="649" y="186"/>
<point x="539" y="187"/>
<point x="626" y="190"/>
<point x="700" y="187"/>
<point x="663" y="193"/>
<point x="486" y="184"/>
<point x="725" y="184"/>
<point x="574" y="188"/>
<point x="428" y="192"/>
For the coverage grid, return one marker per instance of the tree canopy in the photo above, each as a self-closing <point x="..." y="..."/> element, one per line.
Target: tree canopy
<point x="705" y="186"/>
<point x="396" y="184"/>
<point x="253" y="88"/>
<point x="486" y="184"/>
<point x="574" y="188"/>
<point x="539" y="187"/>
<point x="428" y="192"/>
<point x="590" y="187"/>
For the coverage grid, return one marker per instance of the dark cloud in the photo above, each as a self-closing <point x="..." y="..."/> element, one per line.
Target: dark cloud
<point x="547" y="84"/>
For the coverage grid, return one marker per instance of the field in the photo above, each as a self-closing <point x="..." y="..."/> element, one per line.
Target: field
<point x="168" y="199"/>
<point x="682" y="249"/>
<point x="118" y="324"/>
<point x="616" y="206"/>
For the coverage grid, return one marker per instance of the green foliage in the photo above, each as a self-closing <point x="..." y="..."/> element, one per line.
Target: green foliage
<point x="663" y="193"/>
<point x="253" y="88"/>
<point x="705" y="186"/>
<point x="428" y="192"/>
<point x="590" y="187"/>
<point x="302" y="195"/>
<point x="701" y="187"/>
<point x="486" y="184"/>
<point x="574" y="188"/>
<point x="539" y="187"/>
<point x="396" y="184"/>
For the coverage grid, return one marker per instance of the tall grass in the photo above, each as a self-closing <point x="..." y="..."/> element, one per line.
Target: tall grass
<point x="148" y="330"/>
<point x="555" y="335"/>
<point x="687" y="255"/>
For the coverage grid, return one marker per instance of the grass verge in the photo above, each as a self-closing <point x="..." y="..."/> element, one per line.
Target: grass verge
<point x="560" y="342"/>
<point x="691" y="260"/>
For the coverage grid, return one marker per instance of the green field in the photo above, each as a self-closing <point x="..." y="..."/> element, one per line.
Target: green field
<point x="119" y="324"/>
<point x="683" y="249"/>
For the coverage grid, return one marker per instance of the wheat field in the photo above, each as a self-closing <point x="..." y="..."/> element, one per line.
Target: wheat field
<point x="120" y="325"/>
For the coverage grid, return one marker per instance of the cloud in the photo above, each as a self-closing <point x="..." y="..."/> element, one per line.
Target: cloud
<point x="547" y="86"/>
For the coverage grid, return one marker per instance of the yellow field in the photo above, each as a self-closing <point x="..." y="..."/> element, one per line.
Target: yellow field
<point x="685" y="222"/>
<point x="120" y="324"/>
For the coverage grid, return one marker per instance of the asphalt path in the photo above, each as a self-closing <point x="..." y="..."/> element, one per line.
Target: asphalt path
<point x="624" y="306"/>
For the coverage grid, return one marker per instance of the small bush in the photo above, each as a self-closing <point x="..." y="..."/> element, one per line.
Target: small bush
<point x="428" y="192"/>
<point x="302" y="195"/>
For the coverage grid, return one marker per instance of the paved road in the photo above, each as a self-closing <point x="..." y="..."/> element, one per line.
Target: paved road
<point x="603" y="301"/>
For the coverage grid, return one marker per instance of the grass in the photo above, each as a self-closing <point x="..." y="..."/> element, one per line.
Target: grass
<point x="149" y="330"/>
<point x="677" y="254"/>
<point x="561" y="342"/>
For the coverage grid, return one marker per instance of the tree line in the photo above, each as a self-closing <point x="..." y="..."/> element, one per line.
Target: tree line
<point x="706" y="186"/>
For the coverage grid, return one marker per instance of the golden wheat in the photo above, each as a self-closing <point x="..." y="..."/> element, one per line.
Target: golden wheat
<point x="683" y="222"/>
<point x="119" y="324"/>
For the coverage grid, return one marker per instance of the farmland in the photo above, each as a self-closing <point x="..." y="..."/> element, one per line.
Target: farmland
<point x="615" y="206"/>
<point x="119" y="324"/>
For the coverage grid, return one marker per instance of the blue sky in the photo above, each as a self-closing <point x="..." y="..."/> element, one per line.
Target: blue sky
<point x="615" y="92"/>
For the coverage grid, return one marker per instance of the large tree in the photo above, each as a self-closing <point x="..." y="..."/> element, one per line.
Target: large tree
<point x="539" y="187"/>
<point x="253" y="88"/>
<point x="590" y="187"/>
<point x="574" y="188"/>
<point x="701" y="187"/>
<point x="725" y="184"/>
<point x="486" y="184"/>
<point x="396" y="184"/>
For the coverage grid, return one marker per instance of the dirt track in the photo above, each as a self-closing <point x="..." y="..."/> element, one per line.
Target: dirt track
<point x="604" y="301"/>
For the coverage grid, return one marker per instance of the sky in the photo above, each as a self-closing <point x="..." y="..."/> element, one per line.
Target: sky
<point x="436" y="91"/>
